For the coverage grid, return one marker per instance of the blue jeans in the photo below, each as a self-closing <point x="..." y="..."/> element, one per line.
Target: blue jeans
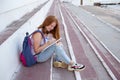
<point x="48" y="53"/>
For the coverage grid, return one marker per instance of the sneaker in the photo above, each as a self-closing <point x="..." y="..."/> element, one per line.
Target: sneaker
<point x="76" y="67"/>
<point x="60" y="64"/>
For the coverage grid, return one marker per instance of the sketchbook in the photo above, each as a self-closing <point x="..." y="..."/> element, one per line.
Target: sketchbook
<point x="51" y="44"/>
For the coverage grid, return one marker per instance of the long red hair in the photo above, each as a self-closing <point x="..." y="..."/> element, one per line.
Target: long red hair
<point x="49" y="19"/>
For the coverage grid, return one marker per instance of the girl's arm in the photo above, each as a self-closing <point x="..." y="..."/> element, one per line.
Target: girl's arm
<point x="37" y="38"/>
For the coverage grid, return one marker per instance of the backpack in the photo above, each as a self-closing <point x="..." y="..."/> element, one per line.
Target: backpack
<point x="26" y="56"/>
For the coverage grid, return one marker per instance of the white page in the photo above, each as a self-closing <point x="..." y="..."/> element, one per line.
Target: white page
<point x="51" y="44"/>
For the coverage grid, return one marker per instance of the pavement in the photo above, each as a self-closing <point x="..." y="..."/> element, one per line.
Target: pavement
<point x="82" y="50"/>
<point x="46" y="71"/>
<point x="104" y="24"/>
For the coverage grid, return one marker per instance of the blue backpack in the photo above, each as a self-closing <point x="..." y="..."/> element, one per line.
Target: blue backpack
<point x="26" y="56"/>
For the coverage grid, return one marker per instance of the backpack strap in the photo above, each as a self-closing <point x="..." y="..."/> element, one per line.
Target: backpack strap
<point x="42" y="35"/>
<point x="39" y="32"/>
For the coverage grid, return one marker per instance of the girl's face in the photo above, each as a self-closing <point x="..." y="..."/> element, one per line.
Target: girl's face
<point x="51" y="26"/>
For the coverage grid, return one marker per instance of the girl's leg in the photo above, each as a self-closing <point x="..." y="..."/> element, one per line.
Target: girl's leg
<point x="45" y="55"/>
<point x="58" y="50"/>
<point x="60" y="55"/>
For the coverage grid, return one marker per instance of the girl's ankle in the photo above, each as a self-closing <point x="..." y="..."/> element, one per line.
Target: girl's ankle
<point x="71" y="63"/>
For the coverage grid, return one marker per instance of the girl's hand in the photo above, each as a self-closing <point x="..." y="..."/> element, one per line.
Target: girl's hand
<point x="60" y="44"/>
<point x="51" y="41"/>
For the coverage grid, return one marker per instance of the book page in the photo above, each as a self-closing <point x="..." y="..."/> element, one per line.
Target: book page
<point x="51" y="44"/>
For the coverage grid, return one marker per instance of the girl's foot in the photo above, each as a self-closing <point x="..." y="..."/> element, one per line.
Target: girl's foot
<point x="60" y="64"/>
<point x="76" y="67"/>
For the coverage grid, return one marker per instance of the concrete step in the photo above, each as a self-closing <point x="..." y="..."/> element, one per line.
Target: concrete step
<point x="12" y="37"/>
<point x="74" y="42"/>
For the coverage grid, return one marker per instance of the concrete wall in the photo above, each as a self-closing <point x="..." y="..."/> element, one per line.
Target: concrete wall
<point x="10" y="49"/>
<point x="11" y="10"/>
<point x="107" y="1"/>
<point x="89" y="2"/>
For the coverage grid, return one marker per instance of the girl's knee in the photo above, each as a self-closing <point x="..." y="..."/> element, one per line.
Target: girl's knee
<point x="59" y="47"/>
<point x="56" y="46"/>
